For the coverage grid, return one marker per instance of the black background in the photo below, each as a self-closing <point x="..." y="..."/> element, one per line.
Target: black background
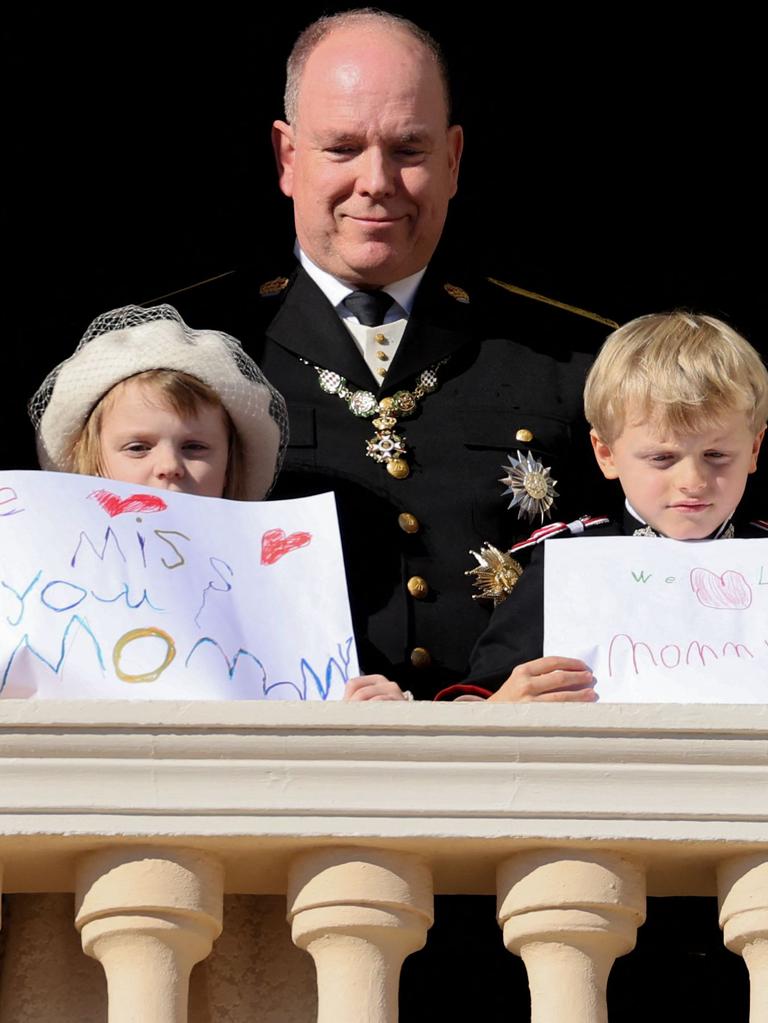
<point x="614" y="160"/>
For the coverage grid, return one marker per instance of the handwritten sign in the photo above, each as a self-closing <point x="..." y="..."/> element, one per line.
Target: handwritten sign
<point x="114" y="590"/>
<point x="661" y="621"/>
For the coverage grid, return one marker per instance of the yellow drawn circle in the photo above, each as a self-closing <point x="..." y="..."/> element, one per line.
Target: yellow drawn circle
<point x="129" y="637"/>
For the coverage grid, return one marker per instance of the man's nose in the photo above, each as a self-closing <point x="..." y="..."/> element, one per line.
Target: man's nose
<point x="376" y="175"/>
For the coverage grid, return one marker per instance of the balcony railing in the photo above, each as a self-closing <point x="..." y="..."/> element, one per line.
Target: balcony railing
<point x="149" y="812"/>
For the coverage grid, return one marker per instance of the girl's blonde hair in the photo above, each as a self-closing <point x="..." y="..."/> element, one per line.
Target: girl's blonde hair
<point x="679" y="371"/>
<point x="183" y="394"/>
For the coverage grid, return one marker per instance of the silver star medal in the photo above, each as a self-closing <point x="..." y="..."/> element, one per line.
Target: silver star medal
<point x="533" y="492"/>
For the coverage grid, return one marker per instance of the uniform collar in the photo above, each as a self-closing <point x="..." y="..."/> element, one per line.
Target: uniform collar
<point x="307" y="324"/>
<point x="402" y="292"/>
<point x="635" y="525"/>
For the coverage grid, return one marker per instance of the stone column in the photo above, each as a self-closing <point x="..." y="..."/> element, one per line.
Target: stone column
<point x="148" y="914"/>
<point x="742" y="886"/>
<point x="569" y="914"/>
<point x="359" y="913"/>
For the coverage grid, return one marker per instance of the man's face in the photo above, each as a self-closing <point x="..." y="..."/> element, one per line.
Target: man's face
<point x="369" y="161"/>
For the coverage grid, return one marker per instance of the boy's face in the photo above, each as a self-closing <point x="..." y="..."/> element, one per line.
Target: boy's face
<point x="146" y="442"/>
<point x="683" y="486"/>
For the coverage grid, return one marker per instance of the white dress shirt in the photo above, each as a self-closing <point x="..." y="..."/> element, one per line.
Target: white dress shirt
<point x="377" y="345"/>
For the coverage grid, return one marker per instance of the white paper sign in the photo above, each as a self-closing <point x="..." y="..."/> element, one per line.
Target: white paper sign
<point x="661" y="621"/>
<point x="114" y="590"/>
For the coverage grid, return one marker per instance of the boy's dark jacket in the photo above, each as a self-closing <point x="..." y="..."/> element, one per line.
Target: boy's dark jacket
<point x="515" y="634"/>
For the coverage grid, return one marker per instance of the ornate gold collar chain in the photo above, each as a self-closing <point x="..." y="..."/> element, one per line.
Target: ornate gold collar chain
<point x="386" y="447"/>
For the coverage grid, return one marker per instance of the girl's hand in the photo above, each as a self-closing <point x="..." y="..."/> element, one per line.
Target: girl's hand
<point x="373" y="687"/>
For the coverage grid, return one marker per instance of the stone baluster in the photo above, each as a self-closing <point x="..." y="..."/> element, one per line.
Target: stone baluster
<point x="148" y="915"/>
<point x="569" y="915"/>
<point x="359" y="913"/>
<point x="742" y="884"/>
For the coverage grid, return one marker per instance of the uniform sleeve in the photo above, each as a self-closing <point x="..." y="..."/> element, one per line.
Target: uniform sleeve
<point x="515" y="632"/>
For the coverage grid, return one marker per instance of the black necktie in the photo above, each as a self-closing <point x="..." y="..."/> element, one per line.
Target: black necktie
<point x="370" y="307"/>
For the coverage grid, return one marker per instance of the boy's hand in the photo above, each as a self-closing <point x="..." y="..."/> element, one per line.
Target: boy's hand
<point x="373" y="687"/>
<point x="548" y="679"/>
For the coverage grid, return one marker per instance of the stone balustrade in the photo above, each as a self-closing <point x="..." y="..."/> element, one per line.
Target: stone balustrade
<point x="150" y="812"/>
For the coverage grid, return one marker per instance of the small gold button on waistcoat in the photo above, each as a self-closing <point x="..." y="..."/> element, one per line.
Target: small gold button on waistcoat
<point x="421" y="657"/>
<point x="382" y="356"/>
<point x="417" y="587"/>
<point x="524" y="435"/>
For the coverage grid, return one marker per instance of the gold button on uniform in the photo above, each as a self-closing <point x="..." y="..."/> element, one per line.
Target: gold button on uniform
<point x="382" y="339"/>
<point x="381" y="371"/>
<point x="524" y="435"/>
<point x="417" y="587"/>
<point x="398" y="467"/>
<point x="420" y="657"/>
<point x="408" y="523"/>
<point x="382" y="356"/>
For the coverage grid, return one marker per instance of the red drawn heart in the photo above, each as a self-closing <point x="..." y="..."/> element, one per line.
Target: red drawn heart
<point x="274" y="544"/>
<point x="115" y="505"/>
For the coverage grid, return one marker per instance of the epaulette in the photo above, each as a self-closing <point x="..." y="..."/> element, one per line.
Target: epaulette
<point x="536" y="297"/>
<point x="269" y="289"/>
<point x="575" y="528"/>
<point x="760" y="524"/>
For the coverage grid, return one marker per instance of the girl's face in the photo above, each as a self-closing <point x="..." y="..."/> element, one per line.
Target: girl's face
<point x="144" y="441"/>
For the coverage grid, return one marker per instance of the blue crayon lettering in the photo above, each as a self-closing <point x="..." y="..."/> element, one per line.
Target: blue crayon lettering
<point x="144" y="599"/>
<point x="74" y="621"/>
<point x="231" y="664"/>
<point x="21" y="597"/>
<point x="108" y="536"/>
<point x="214" y="563"/>
<point x="80" y="596"/>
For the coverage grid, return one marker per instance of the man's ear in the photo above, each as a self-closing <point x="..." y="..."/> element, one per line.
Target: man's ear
<point x="604" y="456"/>
<point x="455" y="149"/>
<point x="285" y="151"/>
<point x="756" y="449"/>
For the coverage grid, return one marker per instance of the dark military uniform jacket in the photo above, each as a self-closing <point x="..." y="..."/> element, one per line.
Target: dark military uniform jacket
<point x="511" y="379"/>
<point x="515" y="634"/>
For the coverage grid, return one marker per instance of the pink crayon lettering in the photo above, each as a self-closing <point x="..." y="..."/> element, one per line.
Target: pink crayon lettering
<point x="624" y="651"/>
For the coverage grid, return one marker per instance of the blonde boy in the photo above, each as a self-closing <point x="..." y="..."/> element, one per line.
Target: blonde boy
<point x="678" y="406"/>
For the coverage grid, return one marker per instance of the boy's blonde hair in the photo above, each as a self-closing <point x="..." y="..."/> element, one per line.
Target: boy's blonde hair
<point x="183" y="394"/>
<point x="678" y="371"/>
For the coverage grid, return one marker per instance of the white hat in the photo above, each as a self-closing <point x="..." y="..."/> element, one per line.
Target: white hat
<point x="121" y="343"/>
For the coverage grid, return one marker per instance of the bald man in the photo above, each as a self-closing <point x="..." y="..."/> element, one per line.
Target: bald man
<point x="409" y="383"/>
